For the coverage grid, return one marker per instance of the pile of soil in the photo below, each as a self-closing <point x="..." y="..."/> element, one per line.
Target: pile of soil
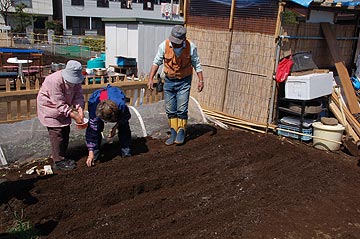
<point x="220" y="184"/>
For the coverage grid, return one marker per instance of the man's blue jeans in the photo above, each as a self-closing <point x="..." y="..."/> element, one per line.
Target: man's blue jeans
<point x="176" y="96"/>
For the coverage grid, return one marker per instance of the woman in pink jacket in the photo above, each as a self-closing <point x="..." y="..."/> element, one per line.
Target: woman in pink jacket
<point x="59" y="100"/>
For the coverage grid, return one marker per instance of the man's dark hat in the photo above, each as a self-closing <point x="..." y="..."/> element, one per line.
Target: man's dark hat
<point x="178" y="34"/>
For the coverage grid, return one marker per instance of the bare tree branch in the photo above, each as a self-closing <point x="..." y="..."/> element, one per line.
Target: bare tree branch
<point x="5" y="5"/>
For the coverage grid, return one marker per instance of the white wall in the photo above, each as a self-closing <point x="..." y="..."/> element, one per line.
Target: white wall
<point x="150" y="36"/>
<point x="110" y="44"/>
<point x="133" y="41"/>
<point x="138" y="41"/>
<point x="120" y="40"/>
<point x="43" y="7"/>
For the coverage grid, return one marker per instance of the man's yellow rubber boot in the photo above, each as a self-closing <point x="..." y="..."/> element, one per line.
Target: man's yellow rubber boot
<point x="180" y="137"/>
<point x="173" y="123"/>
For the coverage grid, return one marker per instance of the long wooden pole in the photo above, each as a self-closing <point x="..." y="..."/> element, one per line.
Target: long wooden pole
<point x="336" y="111"/>
<point x="222" y="103"/>
<point x="185" y="8"/>
<point x="350" y="118"/>
<point x="278" y="31"/>
<point x="231" y="20"/>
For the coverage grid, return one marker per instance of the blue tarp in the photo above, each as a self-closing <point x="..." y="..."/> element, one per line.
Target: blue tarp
<point x="348" y="3"/>
<point x="306" y="3"/>
<point x="242" y="3"/>
<point x="18" y="50"/>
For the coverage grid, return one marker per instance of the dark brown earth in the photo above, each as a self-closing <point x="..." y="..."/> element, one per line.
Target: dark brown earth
<point x="49" y="58"/>
<point x="220" y="184"/>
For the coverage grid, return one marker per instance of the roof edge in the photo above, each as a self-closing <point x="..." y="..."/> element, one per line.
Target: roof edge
<point x="143" y="20"/>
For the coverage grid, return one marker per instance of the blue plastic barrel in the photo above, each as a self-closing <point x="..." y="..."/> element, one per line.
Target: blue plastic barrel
<point x="103" y="56"/>
<point x="95" y="63"/>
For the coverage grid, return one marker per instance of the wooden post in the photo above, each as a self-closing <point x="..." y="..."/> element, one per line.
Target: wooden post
<point x="278" y="19"/>
<point x="222" y="103"/>
<point x="185" y="11"/>
<point x="231" y="21"/>
<point x="18" y="109"/>
<point x="28" y="109"/>
<point x="278" y="31"/>
<point x="7" y="85"/>
<point x="37" y="84"/>
<point x="8" y="115"/>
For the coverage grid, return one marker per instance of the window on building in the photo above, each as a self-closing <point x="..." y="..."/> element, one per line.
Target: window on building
<point x="148" y="5"/>
<point x="28" y="3"/>
<point x="98" y="25"/>
<point x="78" y="25"/>
<point x="77" y="2"/>
<point x="126" y="4"/>
<point x="102" y="3"/>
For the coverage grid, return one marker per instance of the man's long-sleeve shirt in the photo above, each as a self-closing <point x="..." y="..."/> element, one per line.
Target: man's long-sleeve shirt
<point x="195" y="60"/>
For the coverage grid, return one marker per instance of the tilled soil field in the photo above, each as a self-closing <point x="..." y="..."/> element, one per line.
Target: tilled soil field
<point x="220" y="184"/>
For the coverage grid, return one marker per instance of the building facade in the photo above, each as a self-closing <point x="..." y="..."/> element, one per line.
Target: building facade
<point x="83" y="17"/>
<point x="39" y="10"/>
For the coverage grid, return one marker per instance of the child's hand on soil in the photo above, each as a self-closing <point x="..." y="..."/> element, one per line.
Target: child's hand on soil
<point x="90" y="159"/>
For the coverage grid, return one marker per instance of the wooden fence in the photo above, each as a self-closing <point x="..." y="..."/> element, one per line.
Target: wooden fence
<point x="18" y="103"/>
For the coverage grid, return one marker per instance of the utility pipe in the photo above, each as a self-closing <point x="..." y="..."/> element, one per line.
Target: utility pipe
<point x="171" y="11"/>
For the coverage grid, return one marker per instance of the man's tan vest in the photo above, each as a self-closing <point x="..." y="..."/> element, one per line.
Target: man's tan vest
<point x="177" y="67"/>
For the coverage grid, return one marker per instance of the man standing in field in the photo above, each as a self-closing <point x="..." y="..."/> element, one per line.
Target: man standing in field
<point x="179" y="57"/>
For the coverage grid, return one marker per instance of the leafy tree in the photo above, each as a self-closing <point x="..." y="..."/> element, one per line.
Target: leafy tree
<point x="94" y="44"/>
<point x="55" y="25"/>
<point x="5" y="5"/>
<point x="23" y="19"/>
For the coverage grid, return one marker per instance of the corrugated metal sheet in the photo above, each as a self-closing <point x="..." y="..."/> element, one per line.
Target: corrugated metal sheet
<point x="345" y="3"/>
<point x="150" y="36"/>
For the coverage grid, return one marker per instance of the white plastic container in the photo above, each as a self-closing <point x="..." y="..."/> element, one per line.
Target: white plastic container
<point x="331" y="132"/>
<point x="310" y="86"/>
<point x="89" y="71"/>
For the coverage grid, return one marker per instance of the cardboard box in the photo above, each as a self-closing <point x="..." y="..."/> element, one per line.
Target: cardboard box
<point x="307" y="87"/>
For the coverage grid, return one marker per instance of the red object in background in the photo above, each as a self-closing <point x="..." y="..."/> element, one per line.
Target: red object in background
<point x="283" y="69"/>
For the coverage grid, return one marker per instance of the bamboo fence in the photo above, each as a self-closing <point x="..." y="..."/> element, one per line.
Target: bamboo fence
<point x="238" y="82"/>
<point x="308" y="37"/>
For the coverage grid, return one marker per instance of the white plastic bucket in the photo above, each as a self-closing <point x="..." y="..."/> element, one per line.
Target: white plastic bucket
<point x="331" y="132"/>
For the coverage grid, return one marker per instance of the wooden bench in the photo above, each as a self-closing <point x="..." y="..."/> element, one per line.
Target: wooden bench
<point x="8" y="75"/>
